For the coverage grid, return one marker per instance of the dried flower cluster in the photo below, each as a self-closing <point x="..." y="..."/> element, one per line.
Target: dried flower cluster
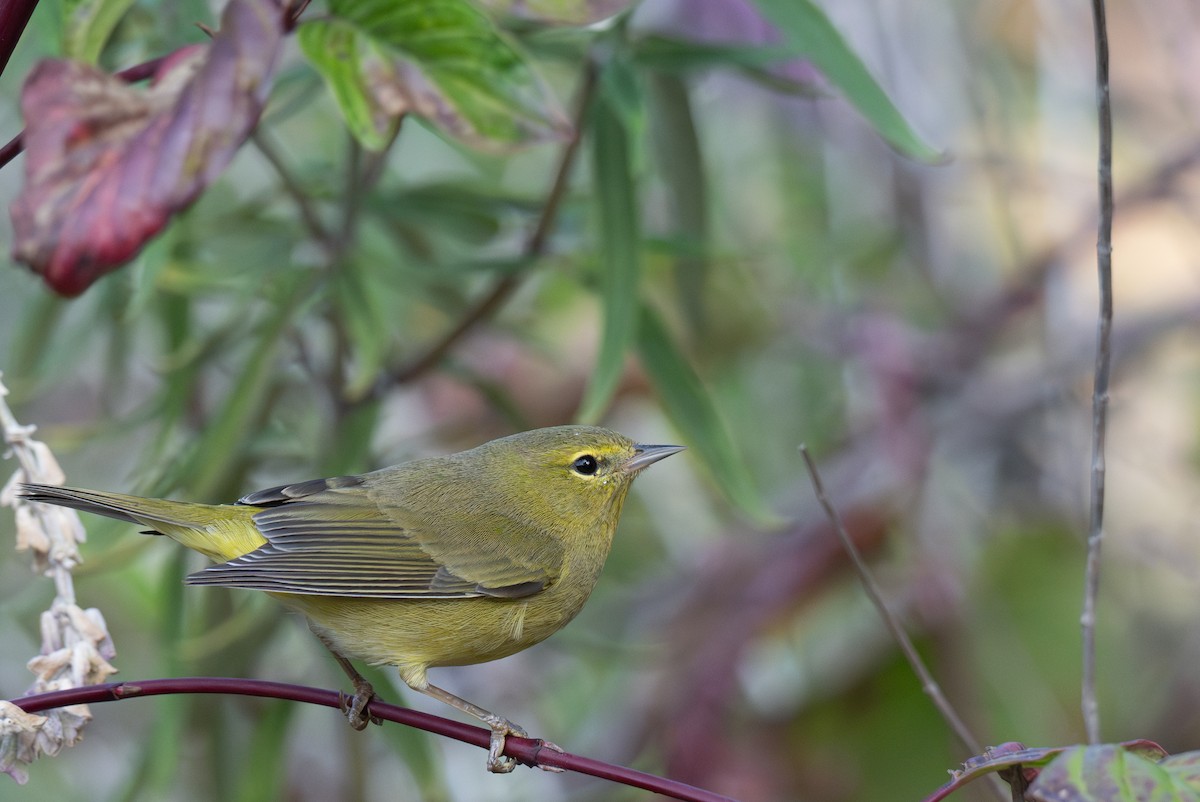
<point x="76" y="646"/>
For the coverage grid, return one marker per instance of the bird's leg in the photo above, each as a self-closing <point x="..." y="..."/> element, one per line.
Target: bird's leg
<point x="353" y="706"/>
<point x="498" y="762"/>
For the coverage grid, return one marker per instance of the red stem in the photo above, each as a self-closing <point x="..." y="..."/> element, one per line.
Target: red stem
<point x="14" y="16"/>
<point x="14" y="146"/>
<point x="528" y="751"/>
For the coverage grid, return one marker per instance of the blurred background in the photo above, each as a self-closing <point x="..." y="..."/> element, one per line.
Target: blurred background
<point x="920" y="313"/>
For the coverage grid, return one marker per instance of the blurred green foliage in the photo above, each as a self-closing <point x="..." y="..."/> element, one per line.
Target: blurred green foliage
<point x="746" y="252"/>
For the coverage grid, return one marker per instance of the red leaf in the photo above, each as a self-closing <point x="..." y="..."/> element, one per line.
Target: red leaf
<point x="107" y="164"/>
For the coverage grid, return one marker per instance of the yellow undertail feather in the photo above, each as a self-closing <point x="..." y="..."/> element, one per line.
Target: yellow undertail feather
<point x="219" y="532"/>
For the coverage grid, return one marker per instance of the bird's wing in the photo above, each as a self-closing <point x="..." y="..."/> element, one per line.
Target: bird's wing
<point x="325" y="541"/>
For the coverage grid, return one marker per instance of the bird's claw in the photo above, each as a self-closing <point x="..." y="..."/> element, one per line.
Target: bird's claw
<point x="498" y="762"/>
<point x="355" y="707"/>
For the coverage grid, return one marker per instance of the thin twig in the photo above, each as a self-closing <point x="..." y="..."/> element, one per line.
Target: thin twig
<point x="1091" y="709"/>
<point x="364" y="169"/>
<point x="535" y="246"/>
<point x="14" y="16"/>
<point x="928" y="683"/>
<point x="12" y="149"/>
<point x="308" y="213"/>
<point x="292" y="13"/>
<point x="529" y="751"/>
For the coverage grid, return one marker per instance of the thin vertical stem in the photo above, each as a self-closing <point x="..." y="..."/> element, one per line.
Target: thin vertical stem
<point x="1091" y="710"/>
<point x="304" y="205"/>
<point x="928" y="684"/>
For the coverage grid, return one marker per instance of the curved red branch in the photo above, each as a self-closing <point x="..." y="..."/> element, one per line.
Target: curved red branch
<point x="528" y="751"/>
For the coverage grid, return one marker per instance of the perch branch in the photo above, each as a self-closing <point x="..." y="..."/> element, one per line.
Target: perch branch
<point x="528" y="751"/>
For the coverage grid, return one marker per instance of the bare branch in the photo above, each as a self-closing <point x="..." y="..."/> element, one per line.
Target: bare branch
<point x="1091" y="710"/>
<point x="928" y="683"/>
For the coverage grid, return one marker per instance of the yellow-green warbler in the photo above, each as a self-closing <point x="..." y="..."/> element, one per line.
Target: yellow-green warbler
<point x="437" y="562"/>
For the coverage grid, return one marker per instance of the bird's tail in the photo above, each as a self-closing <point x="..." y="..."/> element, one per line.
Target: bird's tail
<point x="221" y="533"/>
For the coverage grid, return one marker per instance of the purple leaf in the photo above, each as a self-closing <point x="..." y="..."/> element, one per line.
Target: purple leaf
<point x="107" y="165"/>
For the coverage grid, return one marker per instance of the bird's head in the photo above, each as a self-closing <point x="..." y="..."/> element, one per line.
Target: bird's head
<point x="579" y="473"/>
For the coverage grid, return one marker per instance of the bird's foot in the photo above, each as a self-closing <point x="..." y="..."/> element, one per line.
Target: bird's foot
<point x="498" y="762"/>
<point x="355" y="707"/>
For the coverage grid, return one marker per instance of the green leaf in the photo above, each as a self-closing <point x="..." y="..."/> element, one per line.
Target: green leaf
<point x="226" y="435"/>
<point x="1110" y="773"/>
<point x="1008" y="757"/>
<point x="620" y="85"/>
<point x="690" y="408"/>
<point x="667" y="54"/>
<point x="89" y="24"/>
<point x="265" y="765"/>
<point x="417" y="748"/>
<point x="681" y="55"/>
<point x="159" y="770"/>
<point x="456" y="211"/>
<point x="620" y="250"/>
<point x="358" y="302"/>
<point x="442" y="60"/>
<point x="1185" y="768"/>
<point x="31" y="347"/>
<point x="677" y="146"/>
<point x="806" y="28"/>
<point x="340" y="53"/>
<point x="574" y="12"/>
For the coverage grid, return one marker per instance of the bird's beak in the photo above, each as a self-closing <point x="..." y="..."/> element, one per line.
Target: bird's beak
<point x="648" y="455"/>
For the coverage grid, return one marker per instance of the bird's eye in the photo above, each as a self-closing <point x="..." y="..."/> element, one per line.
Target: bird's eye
<point x="586" y="465"/>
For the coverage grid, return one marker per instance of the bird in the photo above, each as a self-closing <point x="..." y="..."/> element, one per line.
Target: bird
<point x="443" y="561"/>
